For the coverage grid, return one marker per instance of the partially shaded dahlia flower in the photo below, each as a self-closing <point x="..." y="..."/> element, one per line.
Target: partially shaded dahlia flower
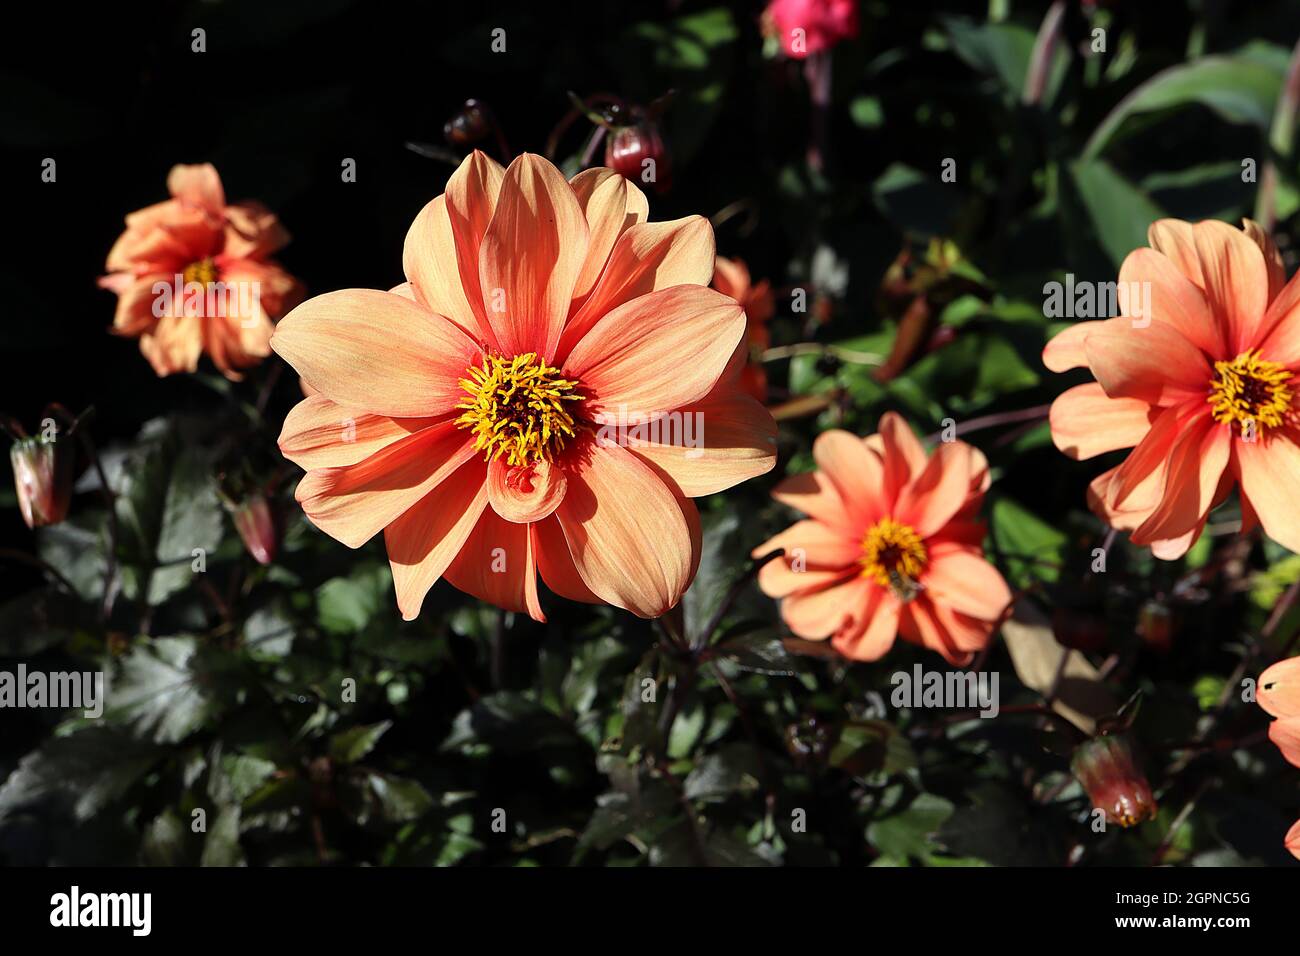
<point x="891" y="546"/>
<point x="544" y="395"/>
<point x="195" y="275"/>
<point x="1205" y="394"/>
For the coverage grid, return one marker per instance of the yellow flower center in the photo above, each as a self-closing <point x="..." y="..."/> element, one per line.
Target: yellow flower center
<point x="1250" y="392"/>
<point x="203" y="272"/>
<point x="892" y="554"/>
<point x="515" y="406"/>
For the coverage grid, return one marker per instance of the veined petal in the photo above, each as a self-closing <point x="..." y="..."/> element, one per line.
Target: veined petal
<point x="722" y="440"/>
<point x="319" y="433"/>
<point x="1196" y="464"/>
<point x="627" y="533"/>
<point x="353" y="503"/>
<point x="648" y="257"/>
<point x="422" y="543"/>
<point x="555" y="564"/>
<point x="1175" y="240"/>
<point x="658" y="352"/>
<point x="376" y="351"/>
<point x="612" y="204"/>
<point x="1236" y="281"/>
<point x="496" y="565"/>
<point x="1175" y="300"/>
<point x="531" y="256"/>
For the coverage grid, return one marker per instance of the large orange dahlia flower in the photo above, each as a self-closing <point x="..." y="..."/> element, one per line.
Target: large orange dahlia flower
<point x="544" y="395"/>
<point x="1205" y="394"/>
<point x="194" y="275"/>
<point x="891" y="546"/>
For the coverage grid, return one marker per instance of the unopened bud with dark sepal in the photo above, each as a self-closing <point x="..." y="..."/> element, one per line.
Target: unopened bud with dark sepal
<point x="1108" y="770"/>
<point x="638" y="153"/>
<point x="43" y="478"/>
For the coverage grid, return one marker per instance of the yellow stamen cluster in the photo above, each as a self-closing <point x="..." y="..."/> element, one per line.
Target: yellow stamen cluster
<point x="203" y="272"/>
<point x="893" y="554"/>
<point x="1249" y="389"/>
<point x="515" y="406"/>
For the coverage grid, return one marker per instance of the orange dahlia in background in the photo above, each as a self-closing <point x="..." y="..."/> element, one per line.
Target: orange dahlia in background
<point x="195" y="237"/>
<point x="1205" y="394"/>
<point x="473" y="413"/>
<point x="1279" y="695"/>
<point x="731" y="278"/>
<point x="891" y="546"/>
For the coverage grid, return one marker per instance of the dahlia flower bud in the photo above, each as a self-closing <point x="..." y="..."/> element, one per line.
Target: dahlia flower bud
<point x="471" y="125"/>
<point x="1155" y="625"/>
<point x="43" y="479"/>
<point x="639" y="154"/>
<point x="1108" y="771"/>
<point x="257" y="525"/>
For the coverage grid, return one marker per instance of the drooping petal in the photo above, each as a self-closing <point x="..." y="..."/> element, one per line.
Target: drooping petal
<point x="817" y="615"/>
<point x="555" y="564"/>
<point x="424" y="541"/>
<point x="1152" y="453"/>
<point x="626" y="531"/>
<point x="376" y="351"/>
<point x="870" y="636"/>
<point x="960" y="578"/>
<point x="648" y="257"/>
<point x="496" y="565"/>
<point x="612" y="204"/>
<point x="1065" y="350"/>
<point x="658" y="352"/>
<point x="352" y="503"/>
<point x="1086" y="422"/>
<point x="1236" y="281"/>
<point x="919" y="624"/>
<point x="1270" y="474"/>
<point x="532" y="253"/>
<point x="1196" y="463"/>
<point x="173" y="344"/>
<point x="319" y="433"/>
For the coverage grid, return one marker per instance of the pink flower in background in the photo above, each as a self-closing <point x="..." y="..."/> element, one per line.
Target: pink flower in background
<point x="810" y="26"/>
<point x="195" y="240"/>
